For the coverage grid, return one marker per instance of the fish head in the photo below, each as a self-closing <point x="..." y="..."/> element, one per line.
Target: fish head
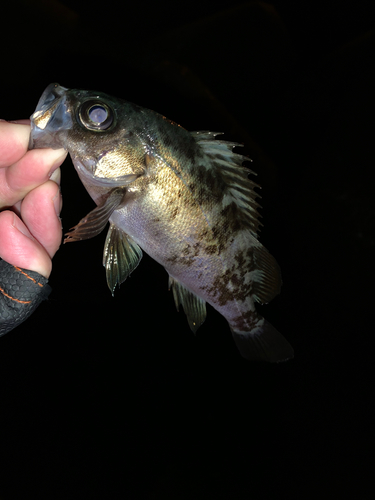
<point x="99" y="132"/>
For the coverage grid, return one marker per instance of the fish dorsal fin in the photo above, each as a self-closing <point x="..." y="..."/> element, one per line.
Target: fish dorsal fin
<point x="120" y="257"/>
<point x="235" y="175"/>
<point x="194" y="307"/>
<point x="266" y="277"/>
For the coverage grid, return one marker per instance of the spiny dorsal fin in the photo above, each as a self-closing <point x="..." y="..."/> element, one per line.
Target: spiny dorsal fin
<point x="229" y="165"/>
<point x="120" y="257"/>
<point x="194" y="307"/>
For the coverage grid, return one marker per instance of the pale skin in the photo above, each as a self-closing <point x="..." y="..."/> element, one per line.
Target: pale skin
<point x="30" y="200"/>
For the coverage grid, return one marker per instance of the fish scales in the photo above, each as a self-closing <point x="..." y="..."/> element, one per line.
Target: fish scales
<point x="182" y="197"/>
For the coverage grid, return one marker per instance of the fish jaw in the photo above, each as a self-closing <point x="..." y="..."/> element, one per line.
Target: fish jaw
<point x="51" y="119"/>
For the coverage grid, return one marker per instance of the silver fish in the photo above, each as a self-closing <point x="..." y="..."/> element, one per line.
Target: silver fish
<point x="183" y="197"/>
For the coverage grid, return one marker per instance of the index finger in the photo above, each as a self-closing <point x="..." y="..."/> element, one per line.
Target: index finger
<point x="14" y="142"/>
<point x="25" y="169"/>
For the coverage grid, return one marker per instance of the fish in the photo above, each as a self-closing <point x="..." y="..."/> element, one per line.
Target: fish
<point x="185" y="198"/>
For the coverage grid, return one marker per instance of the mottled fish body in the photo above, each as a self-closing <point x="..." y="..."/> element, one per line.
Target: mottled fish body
<point x="182" y="197"/>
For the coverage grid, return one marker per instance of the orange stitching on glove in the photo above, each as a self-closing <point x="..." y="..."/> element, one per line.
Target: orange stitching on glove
<point x="12" y="298"/>
<point x="27" y="276"/>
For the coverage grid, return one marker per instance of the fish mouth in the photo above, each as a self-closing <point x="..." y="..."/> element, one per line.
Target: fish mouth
<point x="50" y="115"/>
<point x="47" y="104"/>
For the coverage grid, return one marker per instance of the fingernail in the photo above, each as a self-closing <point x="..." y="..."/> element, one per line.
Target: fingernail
<point x="55" y="176"/>
<point x="20" y="226"/>
<point x="57" y="203"/>
<point x="23" y="121"/>
<point x="60" y="155"/>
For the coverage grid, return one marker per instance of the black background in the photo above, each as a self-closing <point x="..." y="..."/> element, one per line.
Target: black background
<point x="105" y="397"/>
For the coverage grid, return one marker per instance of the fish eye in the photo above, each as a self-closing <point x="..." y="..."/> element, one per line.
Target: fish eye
<point x="95" y="115"/>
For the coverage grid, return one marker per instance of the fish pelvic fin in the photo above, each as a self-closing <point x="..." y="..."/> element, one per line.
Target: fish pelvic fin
<point x="96" y="220"/>
<point x="194" y="306"/>
<point x="263" y="343"/>
<point x="121" y="256"/>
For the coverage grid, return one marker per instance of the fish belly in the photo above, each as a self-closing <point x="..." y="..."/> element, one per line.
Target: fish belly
<point x="214" y="276"/>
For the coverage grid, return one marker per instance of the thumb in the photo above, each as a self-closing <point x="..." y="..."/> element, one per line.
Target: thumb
<point x="19" y="248"/>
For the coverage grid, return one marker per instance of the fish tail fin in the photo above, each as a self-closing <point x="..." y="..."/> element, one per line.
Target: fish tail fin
<point x="263" y="342"/>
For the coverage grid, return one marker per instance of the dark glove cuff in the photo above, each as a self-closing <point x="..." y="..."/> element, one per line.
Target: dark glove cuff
<point x="21" y="291"/>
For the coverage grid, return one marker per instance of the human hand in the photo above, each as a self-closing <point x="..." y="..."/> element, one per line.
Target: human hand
<point x="30" y="200"/>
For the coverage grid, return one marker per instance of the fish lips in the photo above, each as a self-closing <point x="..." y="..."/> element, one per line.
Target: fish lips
<point x="50" y="119"/>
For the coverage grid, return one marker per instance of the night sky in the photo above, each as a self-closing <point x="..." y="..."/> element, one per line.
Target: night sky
<point x="104" y="397"/>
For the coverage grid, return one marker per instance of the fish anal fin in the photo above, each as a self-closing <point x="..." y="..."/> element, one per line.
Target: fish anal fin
<point x="96" y="220"/>
<point x="120" y="257"/>
<point x="263" y="343"/>
<point x="267" y="277"/>
<point x="194" y="306"/>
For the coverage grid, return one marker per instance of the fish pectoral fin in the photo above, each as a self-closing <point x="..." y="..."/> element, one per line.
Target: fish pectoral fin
<point x="120" y="257"/>
<point x="194" y="306"/>
<point x="267" y="277"/>
<point x="96" y="220"/>
<point x="263" y="343"/>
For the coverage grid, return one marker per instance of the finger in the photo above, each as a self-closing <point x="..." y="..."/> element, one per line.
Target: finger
<point x="23" y="121"/>
<point x="14" y="141"/>
<point x="19" y="248"/>
<point x="32" y="170"/>
<point x="40" y="212"/>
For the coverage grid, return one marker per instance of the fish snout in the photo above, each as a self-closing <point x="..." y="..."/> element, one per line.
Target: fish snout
<point x="50" y="117"/>
<point x="52" y="92"/>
